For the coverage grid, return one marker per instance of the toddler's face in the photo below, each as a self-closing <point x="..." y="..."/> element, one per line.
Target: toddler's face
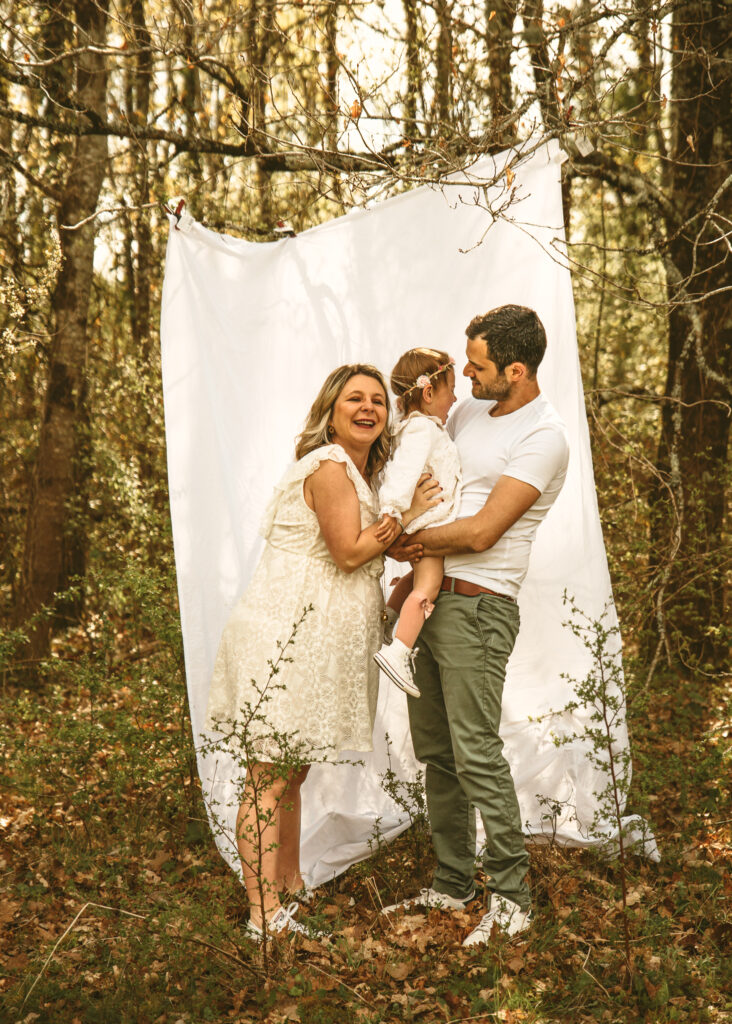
<point x="443" y="397"/>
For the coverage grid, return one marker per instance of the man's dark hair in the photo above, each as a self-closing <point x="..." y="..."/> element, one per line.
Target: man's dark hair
<point x="514" y="334"/>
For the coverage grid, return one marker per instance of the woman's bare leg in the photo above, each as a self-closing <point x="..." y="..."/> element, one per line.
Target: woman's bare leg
<point x="428" y="575"/>
<point x="257" y="839"/>
<point x="288" y="851"/>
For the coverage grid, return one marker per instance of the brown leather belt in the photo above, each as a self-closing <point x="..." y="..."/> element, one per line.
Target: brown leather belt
<point x="456" y="586"/>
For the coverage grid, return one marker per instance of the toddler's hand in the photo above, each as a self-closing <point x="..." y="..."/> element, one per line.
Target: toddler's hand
<point x="388" y="530"/>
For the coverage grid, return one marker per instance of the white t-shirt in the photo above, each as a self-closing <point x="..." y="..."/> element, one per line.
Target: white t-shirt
<point x="529" y="444"/>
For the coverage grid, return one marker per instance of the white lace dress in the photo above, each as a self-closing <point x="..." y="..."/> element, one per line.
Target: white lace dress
<point x="421" y="444"/>
<point x="323" y="695"/>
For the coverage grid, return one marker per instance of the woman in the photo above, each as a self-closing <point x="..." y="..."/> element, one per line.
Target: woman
<point x="294" y="679"/>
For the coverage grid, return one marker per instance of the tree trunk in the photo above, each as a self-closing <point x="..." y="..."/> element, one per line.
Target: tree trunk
<point x="544" y="75"/>
<point x="55" y="547"/>
<point x="414" y="73"/>
<point x="443" y="67"/>
<point x="545" y="79"/>
<point x="688" y="531"/>
<point x="500" y="16"/>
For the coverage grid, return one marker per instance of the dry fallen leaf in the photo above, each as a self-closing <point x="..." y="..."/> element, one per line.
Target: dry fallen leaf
<point x="7" y="911"/>
<point x="399" y="971"/>
<point x="156" y="862"/>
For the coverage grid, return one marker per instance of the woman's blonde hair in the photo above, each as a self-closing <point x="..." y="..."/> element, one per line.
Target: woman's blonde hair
<point x="418" y="362"/>
<point x="315" y="432"/>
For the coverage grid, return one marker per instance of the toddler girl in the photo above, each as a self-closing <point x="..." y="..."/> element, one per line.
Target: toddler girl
<point x="424" y="382"/>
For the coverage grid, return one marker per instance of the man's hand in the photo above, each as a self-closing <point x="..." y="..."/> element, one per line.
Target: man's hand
<point x="405" y="549"/>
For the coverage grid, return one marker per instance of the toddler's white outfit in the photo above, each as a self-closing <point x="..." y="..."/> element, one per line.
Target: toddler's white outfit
<point x="422" y="445"/>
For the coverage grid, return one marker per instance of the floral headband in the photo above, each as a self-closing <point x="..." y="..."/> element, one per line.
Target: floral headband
<point x="425" y="378"/>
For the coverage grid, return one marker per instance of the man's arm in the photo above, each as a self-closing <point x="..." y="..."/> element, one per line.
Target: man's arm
<point x="506" y="503"/>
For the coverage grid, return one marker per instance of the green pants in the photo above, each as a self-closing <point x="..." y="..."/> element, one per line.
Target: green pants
<point x="460" y="671"/>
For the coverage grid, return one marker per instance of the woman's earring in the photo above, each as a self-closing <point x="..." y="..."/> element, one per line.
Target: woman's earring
<point x="331" y="430"/>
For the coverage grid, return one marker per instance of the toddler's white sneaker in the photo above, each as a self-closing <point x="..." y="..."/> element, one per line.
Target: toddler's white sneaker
<point x="396" y="661"/>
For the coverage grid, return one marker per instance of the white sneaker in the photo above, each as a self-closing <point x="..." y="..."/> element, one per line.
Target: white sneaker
<point x="432" y="900"/>
<point x="390" y="618"/>
<point x="283" y="921"/>
<point x="505" y="914"/>
<point x="397" y="661"/>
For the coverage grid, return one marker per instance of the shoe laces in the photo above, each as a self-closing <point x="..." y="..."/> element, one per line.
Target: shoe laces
<point x="284" y="919"/>
<point x="487" y="920"/>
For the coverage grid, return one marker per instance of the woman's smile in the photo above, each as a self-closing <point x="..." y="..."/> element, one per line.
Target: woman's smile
<point x="359" y="414"/>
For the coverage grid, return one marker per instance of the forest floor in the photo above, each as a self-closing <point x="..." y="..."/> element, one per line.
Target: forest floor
<point x="115" y="905"/>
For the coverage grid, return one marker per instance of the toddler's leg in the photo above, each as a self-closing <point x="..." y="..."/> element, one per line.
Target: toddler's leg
<point x="428" y="575"/>
<point x="400" y="592"/>
<point x="394" y="606"/>
<point x="396" y="660"/>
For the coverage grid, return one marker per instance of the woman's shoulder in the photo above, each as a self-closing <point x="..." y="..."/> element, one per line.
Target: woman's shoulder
<point x="329" y="458"/>
<point x="308" y="463"/>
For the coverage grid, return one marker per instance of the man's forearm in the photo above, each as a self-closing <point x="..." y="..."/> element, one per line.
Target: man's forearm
<point x="507" y="502"/>
<point x="456" y="538"/>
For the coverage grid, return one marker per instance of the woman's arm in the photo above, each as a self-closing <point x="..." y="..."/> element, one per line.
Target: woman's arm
<point x="331" y="495"/>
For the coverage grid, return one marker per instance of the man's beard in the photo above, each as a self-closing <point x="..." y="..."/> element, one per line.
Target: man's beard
<point x="496" y="392"/>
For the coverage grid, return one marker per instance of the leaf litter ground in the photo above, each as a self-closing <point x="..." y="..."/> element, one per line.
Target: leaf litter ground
<point x="115" y="905"/>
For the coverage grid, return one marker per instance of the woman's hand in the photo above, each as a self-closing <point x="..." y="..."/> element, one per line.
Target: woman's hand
<point x="427" y="494"/>
<point x="388" y="530"/>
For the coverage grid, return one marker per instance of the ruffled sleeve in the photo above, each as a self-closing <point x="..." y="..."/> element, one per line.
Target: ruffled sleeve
<point x="305" y="467"/>
<point x="415" y="443"/>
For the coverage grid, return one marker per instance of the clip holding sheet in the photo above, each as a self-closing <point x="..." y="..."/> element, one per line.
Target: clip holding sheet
<point x="176" y="208"/>
<point x="284" y="229"/>
<point x="583" y="144"/>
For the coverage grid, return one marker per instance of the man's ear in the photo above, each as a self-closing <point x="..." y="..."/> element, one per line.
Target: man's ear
<point x="516" y="372"/>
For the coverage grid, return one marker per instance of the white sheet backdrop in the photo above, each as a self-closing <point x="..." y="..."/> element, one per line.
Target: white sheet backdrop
<point x="249" y="332"/>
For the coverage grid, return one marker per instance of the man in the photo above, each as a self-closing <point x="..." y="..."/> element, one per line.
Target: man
<point x="513" y="449"/>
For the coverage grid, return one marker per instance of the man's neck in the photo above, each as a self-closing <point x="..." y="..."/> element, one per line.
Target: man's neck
<point x="517" y="398"/>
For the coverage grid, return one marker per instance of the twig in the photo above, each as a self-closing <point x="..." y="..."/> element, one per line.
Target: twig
<point x="100" y="906"/>
<point x="118" y="910"/>
<point x="50" y="955"/>
<point x="478" y="1016"/>
<point x="333" y="977"/>
<point x="224" y="952"/>
<point x="371" y="888"/>
<point x="591" y="975"/>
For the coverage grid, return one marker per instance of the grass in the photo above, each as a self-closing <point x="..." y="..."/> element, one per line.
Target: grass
<point x="115" y="905"/>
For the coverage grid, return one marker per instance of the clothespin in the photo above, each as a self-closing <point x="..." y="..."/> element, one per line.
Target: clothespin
<point x="583" y="144"/>
<point x="285" y="229"/>
<point x="175" y="207"/>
